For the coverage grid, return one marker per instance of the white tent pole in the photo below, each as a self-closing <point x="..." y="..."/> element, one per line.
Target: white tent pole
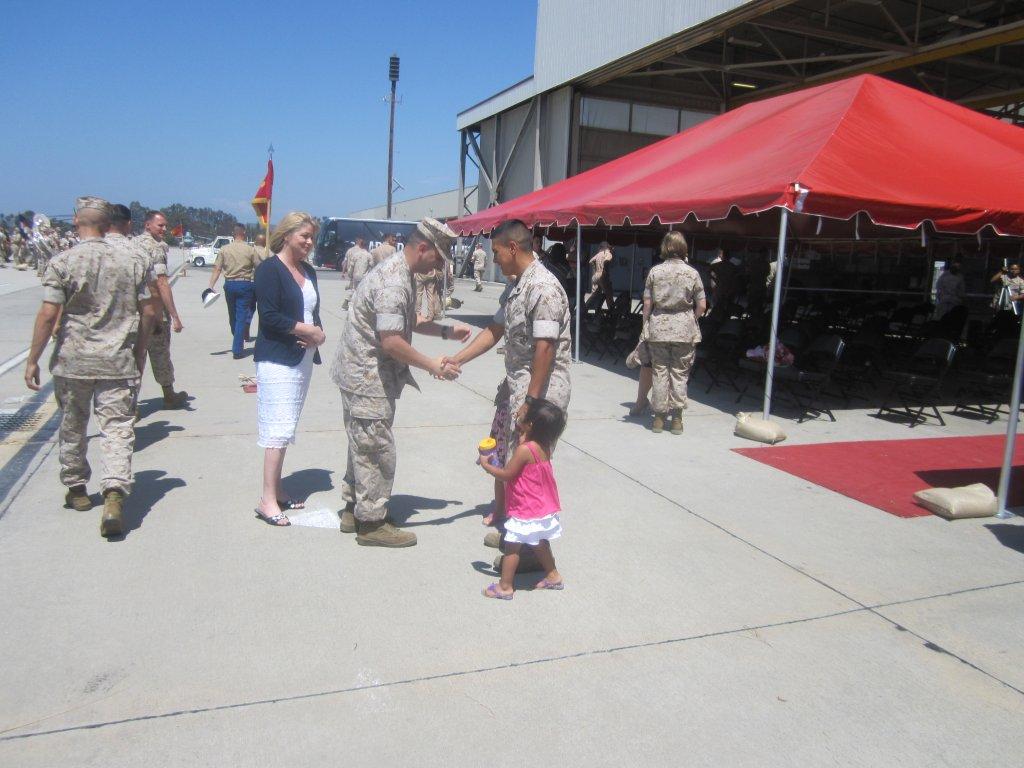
<point x="770" y="352"/>
<point x="579" y="297"/>
<point x="1011" y="432"/>
<point x="632" y="272"/>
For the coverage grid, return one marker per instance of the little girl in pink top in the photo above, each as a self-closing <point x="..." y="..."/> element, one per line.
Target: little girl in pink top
<point x="531" y="498"/>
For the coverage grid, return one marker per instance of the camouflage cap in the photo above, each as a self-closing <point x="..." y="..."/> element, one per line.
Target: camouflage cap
<point x="92" y="202"/>
<point x="438" y="234"/>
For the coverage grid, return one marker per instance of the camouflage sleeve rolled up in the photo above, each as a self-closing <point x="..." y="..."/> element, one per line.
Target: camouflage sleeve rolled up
<point x="698" y="290"/>
<point x="546" y="308"/>
<point x="157" y="254"/>
<point x="55" y="281"/>
<point x="390" y="305"/>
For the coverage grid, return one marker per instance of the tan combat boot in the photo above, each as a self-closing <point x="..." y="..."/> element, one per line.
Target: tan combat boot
<point x="174" y="399"/>
<point x="658" y="424"/>
<point x="110" y="525"/>
<point x="348" y="518"/>
<point x="677" y="423"/>
<point x="381" y="533"/>
<point x="78" y="499"/>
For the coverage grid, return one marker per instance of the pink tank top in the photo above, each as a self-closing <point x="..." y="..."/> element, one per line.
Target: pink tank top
<point x="533" y="494"/>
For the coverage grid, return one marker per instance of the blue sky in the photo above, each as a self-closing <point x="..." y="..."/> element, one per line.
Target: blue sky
<point x="177" y="102"/>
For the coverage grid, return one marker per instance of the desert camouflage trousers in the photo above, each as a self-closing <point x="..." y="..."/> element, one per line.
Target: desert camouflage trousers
<point x="113" y="401"/>
<point x="160" y="352"/>
<point x="42" y="262"/>
<point x="370" y="466"/>
<point x="671" y="362"/>
<point x="21" y="255"/>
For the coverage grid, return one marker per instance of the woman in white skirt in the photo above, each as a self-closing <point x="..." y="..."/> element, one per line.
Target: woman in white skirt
<point x="290" y="331"/>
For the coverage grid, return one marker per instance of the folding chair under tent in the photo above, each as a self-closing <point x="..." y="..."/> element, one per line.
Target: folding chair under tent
<point x="864" y="153"/>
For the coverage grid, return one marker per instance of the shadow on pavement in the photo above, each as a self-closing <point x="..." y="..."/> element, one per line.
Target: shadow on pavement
<point x="485" y="568"/>
<point x="150" y="487"/>
<point x="152" y="405"/>
<point x="1011" y="536"/>
<point x="402" y="507"/>
<point x="304" y="483"/>
<point x="149" y="434"/>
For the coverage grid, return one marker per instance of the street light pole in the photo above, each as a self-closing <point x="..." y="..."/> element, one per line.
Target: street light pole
<point x="393" y="75"/>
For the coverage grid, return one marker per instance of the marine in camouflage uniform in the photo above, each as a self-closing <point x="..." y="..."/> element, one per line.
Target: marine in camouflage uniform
<point x="19" y="249"/>
<point x="358" y="261"/>
<point x="101" y="289"/>
<point x="384" y="251"/>
<point x="532" y="318"/>
<point x="160" y="341"/>
<point x="479" y="262"/>
<point x="533" y="308"/>
<point x="428" y="296"/>
<point x="371" y="381"/>
<point x="118" y="237"/>
<point x="673" y="300"/>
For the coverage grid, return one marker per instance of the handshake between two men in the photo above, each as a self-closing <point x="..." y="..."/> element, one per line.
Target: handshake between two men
<point x="447" y="367"/>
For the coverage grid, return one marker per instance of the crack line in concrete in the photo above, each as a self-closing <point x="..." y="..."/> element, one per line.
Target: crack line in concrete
<point x="415" y="680"/>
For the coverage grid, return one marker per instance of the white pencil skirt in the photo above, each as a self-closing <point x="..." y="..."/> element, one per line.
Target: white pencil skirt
<point x="280" y="394"/>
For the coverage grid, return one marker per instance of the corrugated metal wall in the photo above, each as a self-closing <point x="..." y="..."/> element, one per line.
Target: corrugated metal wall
<point x="574" y="38"/>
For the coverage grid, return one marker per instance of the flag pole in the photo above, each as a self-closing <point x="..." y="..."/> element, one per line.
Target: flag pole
<point x="266" y="228"/>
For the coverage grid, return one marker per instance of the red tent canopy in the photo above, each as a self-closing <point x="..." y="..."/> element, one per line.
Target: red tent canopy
<point x="863" y="144"/>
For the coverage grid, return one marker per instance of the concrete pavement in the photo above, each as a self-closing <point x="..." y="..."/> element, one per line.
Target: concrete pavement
<point x="717" y="611"/>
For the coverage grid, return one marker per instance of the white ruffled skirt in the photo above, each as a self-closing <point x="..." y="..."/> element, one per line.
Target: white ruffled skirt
<point x="533" y="531"/>
<point x="280" y="395"/>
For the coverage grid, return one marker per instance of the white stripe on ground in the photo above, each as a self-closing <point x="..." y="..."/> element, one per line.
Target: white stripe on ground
<point x="15" y="361"/>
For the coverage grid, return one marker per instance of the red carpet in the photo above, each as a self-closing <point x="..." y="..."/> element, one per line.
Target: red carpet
<point x="886" y="473"/>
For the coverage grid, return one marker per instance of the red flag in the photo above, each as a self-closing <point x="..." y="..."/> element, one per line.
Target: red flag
<point x="261" y="201"/>
<point x="178" y="231"/>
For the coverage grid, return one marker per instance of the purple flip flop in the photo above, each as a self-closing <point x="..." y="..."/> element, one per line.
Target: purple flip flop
<point x="545" y="584"/>
<point x="492" y="591"/>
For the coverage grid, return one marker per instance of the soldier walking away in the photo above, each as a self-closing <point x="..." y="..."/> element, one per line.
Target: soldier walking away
<point x="479" y="262"/>
<point x="152" y="239"/>
<point x="95" y="363"/>
<point x="371" y="367"/>
<point x="19" y="247"/>
<point x="358" y="262"/>
<point x="237" y="261"/>
<point x="385" y="250"/>
<point x="119" y="236"/>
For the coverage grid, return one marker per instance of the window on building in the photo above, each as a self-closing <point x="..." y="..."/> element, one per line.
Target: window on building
<point x="606" y="114"/>
<point x="656" y="121"/>
<point x="689" y="118"/>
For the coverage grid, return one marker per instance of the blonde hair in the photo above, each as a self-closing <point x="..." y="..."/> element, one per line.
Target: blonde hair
<point x="292" y="222"/>
<point x="674" y="245"/>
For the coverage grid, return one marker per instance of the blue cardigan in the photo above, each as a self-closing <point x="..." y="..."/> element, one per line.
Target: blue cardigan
<point x="280" y="307"/>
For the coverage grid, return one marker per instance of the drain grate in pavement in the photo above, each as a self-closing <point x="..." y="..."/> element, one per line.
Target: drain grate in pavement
<point x="19" y="421"/>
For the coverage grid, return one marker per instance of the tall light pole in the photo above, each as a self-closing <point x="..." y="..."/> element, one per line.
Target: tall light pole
<point x="393" y="75"/>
